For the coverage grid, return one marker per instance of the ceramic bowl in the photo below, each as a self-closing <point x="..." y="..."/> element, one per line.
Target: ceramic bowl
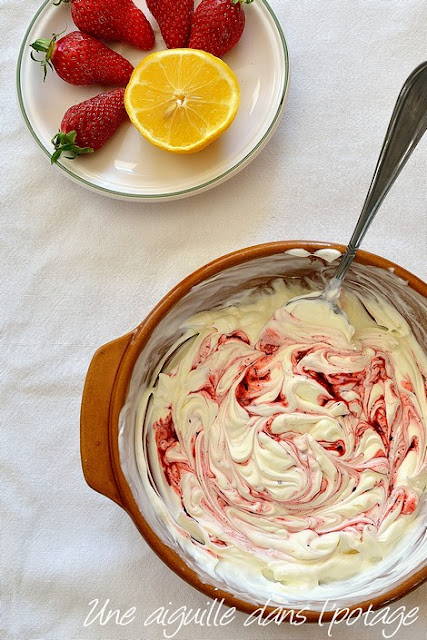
<point x="122" y="368"/>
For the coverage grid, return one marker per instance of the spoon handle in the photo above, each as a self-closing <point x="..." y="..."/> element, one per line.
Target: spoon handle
<point x="407" y="125"/>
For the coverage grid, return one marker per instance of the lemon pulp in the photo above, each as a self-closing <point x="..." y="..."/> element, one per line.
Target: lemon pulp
<point x="182" y="99"/>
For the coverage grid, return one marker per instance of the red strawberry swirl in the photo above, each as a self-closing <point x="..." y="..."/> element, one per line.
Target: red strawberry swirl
<point x="294" y="446"/>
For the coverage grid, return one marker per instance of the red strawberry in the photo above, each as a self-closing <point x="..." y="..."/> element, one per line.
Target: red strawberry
<point x="88" y="125"/>
<point x="113" y="20"/>
<point x="217" y="25"/>
<point x="174" y="18"/>
<point x="81" y="59"/>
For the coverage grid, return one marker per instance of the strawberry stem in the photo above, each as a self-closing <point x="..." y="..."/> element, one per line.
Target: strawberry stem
<point x="66" y="142"/>
<point x="43" y="45"/>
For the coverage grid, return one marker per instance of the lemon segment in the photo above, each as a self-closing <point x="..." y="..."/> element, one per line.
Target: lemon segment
<point x="182" y="99"/>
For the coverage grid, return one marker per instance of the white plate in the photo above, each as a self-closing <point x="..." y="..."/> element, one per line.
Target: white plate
<point x="128" y="166"/>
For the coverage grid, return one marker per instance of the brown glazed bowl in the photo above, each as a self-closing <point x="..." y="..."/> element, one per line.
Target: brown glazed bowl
<point x="126" y="361"/>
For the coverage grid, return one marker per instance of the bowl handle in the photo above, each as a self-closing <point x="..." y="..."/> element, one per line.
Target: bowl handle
<point x="95" y="418"/>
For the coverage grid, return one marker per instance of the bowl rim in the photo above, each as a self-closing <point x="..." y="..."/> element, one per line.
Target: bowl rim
<point x="135" y="342"/>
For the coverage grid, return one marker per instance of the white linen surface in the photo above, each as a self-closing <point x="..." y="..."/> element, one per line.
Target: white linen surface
<point x="79" y="269"/>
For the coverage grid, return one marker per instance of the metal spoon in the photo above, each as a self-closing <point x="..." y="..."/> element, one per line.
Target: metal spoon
<point x="407" y="126"/>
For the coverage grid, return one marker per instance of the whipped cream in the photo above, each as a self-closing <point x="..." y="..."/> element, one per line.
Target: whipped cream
<point x="283" y="451"/>
<point x="301" y="477"/>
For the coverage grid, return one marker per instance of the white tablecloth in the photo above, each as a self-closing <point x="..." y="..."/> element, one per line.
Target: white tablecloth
<point x="79" y="269"/>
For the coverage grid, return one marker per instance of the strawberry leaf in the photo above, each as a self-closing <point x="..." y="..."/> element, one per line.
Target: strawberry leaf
<point x="43" y="45"/>
<point x="66" y="143"/>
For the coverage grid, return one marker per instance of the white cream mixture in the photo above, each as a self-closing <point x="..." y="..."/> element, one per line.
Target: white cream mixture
<point x="287" y="452"/>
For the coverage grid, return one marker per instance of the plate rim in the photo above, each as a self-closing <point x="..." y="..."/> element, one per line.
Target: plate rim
<point x="182" y="193"/>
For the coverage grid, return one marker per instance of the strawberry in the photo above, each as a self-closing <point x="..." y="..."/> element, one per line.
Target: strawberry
<point x="88" y="125"/>
<point x="174" y="18"/>
<point x="112" y="20"/>
<point x="217" y="26"/>
<point x="81" y="59"/>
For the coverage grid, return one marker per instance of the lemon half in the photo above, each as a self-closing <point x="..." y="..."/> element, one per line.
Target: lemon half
<point x="182" y="99"/>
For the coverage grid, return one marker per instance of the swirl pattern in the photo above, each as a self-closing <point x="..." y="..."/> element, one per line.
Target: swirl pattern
<point x="288" y="445"/>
